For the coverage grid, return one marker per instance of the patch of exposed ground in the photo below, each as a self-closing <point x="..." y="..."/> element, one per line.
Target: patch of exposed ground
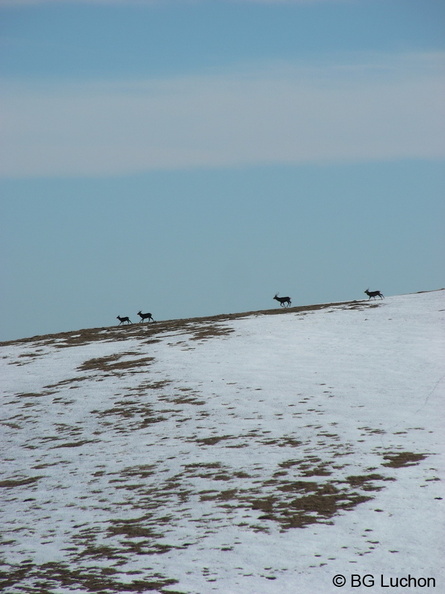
<point x="283" y="500"/>
<point x="42" y="579"/>
<point x="400" y="459"/>
<point x="112" y="363"/>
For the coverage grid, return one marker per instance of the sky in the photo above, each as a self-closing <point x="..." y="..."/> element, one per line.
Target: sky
<point x="190" y="158"/>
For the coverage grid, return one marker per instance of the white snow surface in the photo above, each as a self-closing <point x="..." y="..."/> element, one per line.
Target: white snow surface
<point x="256" y="454"/>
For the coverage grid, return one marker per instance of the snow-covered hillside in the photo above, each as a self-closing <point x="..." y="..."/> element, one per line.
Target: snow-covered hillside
<point x="264" y="453"/>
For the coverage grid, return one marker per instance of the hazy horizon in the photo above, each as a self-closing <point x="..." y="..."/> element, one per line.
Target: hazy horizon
<point x="195" y="158"/>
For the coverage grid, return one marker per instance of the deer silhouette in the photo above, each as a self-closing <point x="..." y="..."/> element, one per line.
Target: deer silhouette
<point x="373" y="294"/>
<point x="125" y="319"/>
<point x="145" y="316"/>
<point x="283" y="301"/>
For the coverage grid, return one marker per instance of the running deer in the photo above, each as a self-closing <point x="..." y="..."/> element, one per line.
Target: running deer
<point x="283" y="301"/>
<point x="145" y="316"/>
<point x="125" y="319"/>
<point x="373" y="294"/>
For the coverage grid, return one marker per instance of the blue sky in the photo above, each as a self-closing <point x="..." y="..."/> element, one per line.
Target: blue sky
<point x="194" y="158"/>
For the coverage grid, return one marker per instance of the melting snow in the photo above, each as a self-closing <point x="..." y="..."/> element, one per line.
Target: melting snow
<point x="255" y="454"/>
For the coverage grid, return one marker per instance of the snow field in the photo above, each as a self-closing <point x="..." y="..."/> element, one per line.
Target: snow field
<point x="259" y="454"/>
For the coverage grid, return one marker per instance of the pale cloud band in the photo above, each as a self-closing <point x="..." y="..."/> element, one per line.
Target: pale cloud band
<point x="382" y="108"/>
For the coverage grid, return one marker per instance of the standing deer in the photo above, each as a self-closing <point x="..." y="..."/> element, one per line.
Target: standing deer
<point x="122" y="320"/>
<point x="145" y="316"/>
<point x="373" y="294"/>
<point x="283" y="301"/>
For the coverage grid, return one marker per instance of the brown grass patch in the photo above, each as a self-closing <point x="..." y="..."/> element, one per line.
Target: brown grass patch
<point x="213" y="440"/>
<point x="19" y="482"/>
<point x="112" y="363"/>
<point x="403" y="459"/>
<point x="367" y="481"/>
<point x="74" y="444"/>
<point x="88" y="579"/>
<point x="318" y="503"/>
